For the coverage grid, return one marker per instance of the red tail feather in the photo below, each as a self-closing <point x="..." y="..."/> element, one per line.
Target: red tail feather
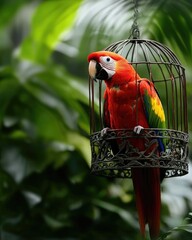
<point x="146" y="184"/>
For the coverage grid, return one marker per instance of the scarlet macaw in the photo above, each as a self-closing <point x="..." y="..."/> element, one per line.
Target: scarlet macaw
<point x="131" y="102"/>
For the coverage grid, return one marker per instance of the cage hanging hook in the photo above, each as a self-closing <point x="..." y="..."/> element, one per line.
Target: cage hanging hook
<point x="135" y="28"/>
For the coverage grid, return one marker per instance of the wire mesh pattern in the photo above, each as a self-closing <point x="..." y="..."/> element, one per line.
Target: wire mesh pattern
<point x="159" y="64"/>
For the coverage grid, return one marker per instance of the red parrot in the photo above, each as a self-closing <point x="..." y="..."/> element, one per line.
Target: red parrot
<point x="132" y="102"/>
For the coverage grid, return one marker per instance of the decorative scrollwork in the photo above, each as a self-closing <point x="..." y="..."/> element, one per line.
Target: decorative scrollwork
<point x="114" y="154"/>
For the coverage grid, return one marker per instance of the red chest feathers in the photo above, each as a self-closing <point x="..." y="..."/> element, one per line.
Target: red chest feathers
<point x="125" y="107"/>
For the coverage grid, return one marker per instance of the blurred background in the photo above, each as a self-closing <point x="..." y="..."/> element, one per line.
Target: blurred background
<point x="46" y="190"/>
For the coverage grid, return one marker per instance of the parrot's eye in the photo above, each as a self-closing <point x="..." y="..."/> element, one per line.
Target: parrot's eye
<point x="107" y="62"/>
<point x="106" y="59"/>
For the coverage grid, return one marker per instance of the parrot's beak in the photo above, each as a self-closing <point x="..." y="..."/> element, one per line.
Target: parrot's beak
<point x="96" y="71"/>
<point x="92" y="69"/>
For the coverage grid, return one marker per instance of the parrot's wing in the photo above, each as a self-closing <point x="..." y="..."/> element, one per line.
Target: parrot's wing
<point x="153" y="107"/>
<point x="152" y="104"/>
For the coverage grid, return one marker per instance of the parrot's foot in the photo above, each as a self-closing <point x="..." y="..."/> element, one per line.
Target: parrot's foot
<point x="104" y="131"/>
<point x="137" y="129"/>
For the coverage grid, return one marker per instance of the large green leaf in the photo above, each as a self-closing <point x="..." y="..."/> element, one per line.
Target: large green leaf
<point x="51" y="19"/>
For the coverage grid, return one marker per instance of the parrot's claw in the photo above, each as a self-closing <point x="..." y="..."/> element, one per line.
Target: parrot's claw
<point x="137" y="129"/>
<point x="104" y="131"/>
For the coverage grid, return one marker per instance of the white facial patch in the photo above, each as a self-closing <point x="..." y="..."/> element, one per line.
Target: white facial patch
<point x="108" y="64"/>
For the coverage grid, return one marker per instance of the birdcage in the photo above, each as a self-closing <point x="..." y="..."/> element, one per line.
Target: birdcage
<point x="161" y="66"/>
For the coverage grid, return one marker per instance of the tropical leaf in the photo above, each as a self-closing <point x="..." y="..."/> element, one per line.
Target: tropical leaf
<point x="99" y="27"/>
<point x="176" y="232"/>
<point x="7" y="11"/>
<point x="166" y="21"/>
<point x="124" y="214"/>
<point x="51" y="19"/>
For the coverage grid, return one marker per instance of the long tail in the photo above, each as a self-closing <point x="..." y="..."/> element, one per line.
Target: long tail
<point x="146" y="184"/>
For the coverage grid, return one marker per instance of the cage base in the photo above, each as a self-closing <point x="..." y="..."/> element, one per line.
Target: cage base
<point x="114" y="154"/>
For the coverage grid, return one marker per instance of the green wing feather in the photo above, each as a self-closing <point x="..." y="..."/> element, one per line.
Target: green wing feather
<point x="152" y="104"/>
<point x="153" y="108"/>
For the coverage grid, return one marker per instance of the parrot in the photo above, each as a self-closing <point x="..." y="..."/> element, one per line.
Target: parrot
<point x="132" y="102"/>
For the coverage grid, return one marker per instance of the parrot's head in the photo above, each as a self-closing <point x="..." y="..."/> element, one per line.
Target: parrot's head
<point x="110" y="67"/>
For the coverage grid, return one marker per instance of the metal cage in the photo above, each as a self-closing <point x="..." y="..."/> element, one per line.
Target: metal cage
<point x="159" y="64"/>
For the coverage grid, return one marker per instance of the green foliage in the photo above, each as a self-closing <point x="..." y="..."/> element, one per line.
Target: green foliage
<point x="170" y="18"/>
<point x="46" y="190"/>
<point x="183" y="231"/>
<point x="8" y="9"/>
<point x="51" y="19"/>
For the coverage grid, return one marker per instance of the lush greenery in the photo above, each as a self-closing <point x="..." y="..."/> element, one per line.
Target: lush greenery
<point x="46" y="190"/>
